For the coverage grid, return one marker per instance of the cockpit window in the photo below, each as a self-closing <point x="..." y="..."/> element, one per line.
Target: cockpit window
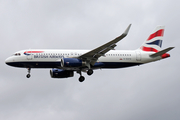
<point x="17" y="54"/>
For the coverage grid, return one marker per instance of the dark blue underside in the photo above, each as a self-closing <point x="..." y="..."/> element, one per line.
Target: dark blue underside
<point x="57" y="64"/>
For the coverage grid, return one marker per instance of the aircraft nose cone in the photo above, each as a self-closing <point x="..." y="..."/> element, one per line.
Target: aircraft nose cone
<point x="8" y="60"/>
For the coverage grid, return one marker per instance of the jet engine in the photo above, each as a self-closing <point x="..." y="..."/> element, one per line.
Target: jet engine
<point x="72" y="62"/>
<point x="59" y="73"/>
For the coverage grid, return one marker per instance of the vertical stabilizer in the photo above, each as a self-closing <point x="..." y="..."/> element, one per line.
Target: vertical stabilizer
<point x="154" y="41"/>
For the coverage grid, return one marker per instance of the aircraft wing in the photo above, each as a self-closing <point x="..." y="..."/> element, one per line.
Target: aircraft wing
<point x="93" y="55"/>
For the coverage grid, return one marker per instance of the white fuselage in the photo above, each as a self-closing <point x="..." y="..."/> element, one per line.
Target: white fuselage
<point x="44" y="58"/>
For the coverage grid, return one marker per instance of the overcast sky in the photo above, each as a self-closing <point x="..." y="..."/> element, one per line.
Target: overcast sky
<point x="147" y="92"/>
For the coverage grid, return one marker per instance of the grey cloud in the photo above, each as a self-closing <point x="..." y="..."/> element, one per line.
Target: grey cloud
<point x="143" y="92"/>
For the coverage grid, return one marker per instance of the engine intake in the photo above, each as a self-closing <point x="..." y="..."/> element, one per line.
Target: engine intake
<point x="59" y="73"/>
<point x="72" y="62"/>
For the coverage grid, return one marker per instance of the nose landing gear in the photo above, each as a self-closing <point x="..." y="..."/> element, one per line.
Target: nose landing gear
<point x="28" y="75"/>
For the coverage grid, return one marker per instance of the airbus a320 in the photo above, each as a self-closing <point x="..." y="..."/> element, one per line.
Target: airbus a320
<point x="64" y="63"/>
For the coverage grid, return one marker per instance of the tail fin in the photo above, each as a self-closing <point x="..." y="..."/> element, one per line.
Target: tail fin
<point x="154" y="41"/>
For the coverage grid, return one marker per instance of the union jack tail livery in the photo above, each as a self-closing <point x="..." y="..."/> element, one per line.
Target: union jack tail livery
<point x="154" y="41"/>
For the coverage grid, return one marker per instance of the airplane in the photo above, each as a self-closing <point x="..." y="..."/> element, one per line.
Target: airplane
<point x="64" y="63"/>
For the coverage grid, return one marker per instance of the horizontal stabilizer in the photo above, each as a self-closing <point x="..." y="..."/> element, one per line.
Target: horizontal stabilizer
<point x="161" y="52"/>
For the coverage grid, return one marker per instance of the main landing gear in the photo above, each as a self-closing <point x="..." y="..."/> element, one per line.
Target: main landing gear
<point x="28" y="75"/>
<point x="90" y="72"/>
<point x="82" y="78"/>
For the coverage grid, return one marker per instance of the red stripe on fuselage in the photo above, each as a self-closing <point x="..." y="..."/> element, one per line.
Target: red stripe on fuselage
<point x="34" y="51"/>
<point x="156" y="34"/>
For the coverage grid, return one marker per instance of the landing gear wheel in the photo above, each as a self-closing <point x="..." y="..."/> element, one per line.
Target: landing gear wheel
<point x="81" y="78"/>
<point x="28" y="75"/>
<point x="90" y="72"/>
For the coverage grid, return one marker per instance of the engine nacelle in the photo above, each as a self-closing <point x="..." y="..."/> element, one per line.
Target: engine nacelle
<point x="72" y="62"/>
<point x="59" y="73"/>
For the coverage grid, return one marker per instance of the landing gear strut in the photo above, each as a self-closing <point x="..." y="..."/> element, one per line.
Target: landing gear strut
<point x="81" y="78"/>
<point x="28" y="75"/>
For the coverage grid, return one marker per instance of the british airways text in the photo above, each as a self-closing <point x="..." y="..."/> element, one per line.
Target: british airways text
<point x="46" y="56"/>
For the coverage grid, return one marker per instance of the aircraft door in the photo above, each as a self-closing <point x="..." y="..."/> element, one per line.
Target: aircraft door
<point x="138" y="55"/>
<point x="29" y="55"/>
